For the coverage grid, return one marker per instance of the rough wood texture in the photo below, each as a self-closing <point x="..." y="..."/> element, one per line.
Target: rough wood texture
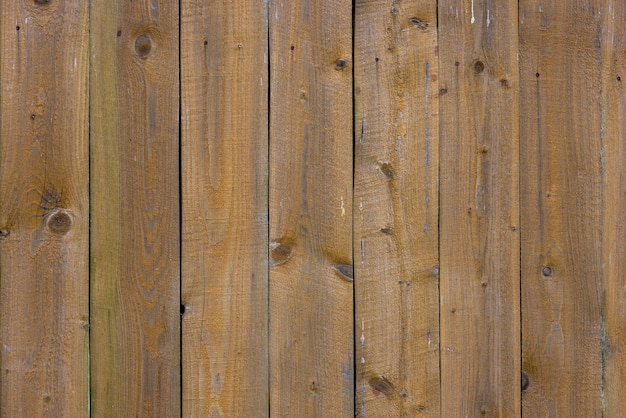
<point x="480" y="322"/>
<point x="396" y="209"/>
<point x="561" y="207"/>
<point x="225" y="226"/>
<point x="310" y="249"/>
<point x="135" y="279"/>
<point x="44" y="212"/>
<point x="614" y="205"/>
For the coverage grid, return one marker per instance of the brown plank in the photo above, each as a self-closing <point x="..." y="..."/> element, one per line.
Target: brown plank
<point x="44" y="209"/>
<point x="311" y="301"/>
<point x="614" y="205"/>
<point x="561" y="207"/>
<point x="135" y="279"/>
<point x="479" y="247"/>
<point x="396" y="209"/>
<point x="225" y="226"/>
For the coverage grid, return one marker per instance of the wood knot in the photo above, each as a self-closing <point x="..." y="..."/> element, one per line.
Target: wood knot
<point x="143" y="45"/>
<point x="4" y="233"/>
<point x="42" y="2"/>
<point x="380" y="384"/>
<point x="346" y="271"/>
<point x="479" y="67"/>
<point x="340" y="64"/>
<point x="387" y="169"/>
<point x="279" y="253"/>
<point x="419" y="23"/>
<point x="59" y="222"/>
<point x="525" y="382"/>
<point x="388" y="230"/>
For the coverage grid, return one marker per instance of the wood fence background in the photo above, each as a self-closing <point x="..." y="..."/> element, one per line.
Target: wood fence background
<point x="312" y="208"/>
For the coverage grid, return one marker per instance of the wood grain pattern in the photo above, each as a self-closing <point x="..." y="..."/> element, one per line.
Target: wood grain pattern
<point x="44" y="209"/>
<point x="311" y="292"/>
<point x="396" y="209"/>
<point x="225" y="225"/>
<point x="560" y="69"/>
<point x="613" y="205"/>
<point x="135" y="278"/>
<point x="479" y="244"/>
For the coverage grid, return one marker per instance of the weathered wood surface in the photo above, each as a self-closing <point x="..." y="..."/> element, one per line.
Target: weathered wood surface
<point x="44" y="209"/>
<point x="396" y="209"/>
<point x="310" y="210"/>
<point x="561" y="192"/>
<point x="135" y="278"/>
<point x="613" y="154"/>
<point x="372" y="208"/>
<point x="479" y="219"/>
<point x="225" y="225"/>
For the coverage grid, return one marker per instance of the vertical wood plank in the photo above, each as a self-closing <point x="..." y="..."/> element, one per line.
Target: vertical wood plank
<point x="614" y="205"/>
<point x="396" y="209"/>
<point x="561" y="207"/>
<point x="311" y="292"/>
<point x="479" y="249"/>
<point x="135" y="288"/>
<point x="225" y="226"/>
<point x="44" y="209"/>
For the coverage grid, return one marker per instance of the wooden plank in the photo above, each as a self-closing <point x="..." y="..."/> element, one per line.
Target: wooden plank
<point x="44" y="209"/>
<point x="479" y="247"/>
<point x="135" y="288"/>
<point x="561" y="208"/>
<point x="225" y="225"/>
<point x="311" y="292"/>
<point x="614" y="205"/>
<point x="396" y="209"/>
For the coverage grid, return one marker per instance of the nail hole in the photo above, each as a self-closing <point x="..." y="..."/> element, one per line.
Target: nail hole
<point x="292" y="47"/>
<point x="17" y="28"/>
<point x="183" y="308"/>
<point x="119" y="33"/>
<point x="143" y="45"/>
<point x="504" y="82"/>
<point x="619" y="78"/>
<point x="537" y="75"/>
<point x="456" y="64"/>
<point x="443" y="91"/>
<point x="546" y="271"/>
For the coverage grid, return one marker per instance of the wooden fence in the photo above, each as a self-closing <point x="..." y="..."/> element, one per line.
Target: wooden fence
<point x="312" y="208"/>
